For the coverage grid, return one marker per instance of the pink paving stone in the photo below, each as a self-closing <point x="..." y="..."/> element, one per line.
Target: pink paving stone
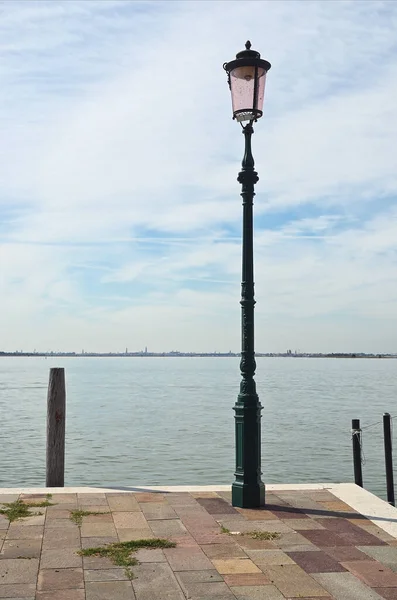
<point x="187" y="559"/>
<point x="216" y="506"/>
<point x="18" y="591"/>
<point x="236" y="579"/>
<point x="373" y="573"/>
<point x="61" y="595"/>
<point x="325" y="538"/>
<point x="345" y="553"/>
<point x="149" y="497"/>
<point x="316" y="562"/>
<point x="60" y="579"/>
<point x="387" y="593"/>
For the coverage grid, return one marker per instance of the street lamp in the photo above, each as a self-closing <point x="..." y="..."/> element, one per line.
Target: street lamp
<point x="246" y="77"/>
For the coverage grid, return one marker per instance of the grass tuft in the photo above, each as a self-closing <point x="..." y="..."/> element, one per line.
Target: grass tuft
<point x="120" y="552"/>
<point x="224" y="529"/>
<point x="77" y="515"/>
<point x="18" y="510"/>
<point x="263" y="535"/>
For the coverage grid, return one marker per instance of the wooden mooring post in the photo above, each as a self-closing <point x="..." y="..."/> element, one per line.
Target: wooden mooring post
<point x="56" y="411"/>
<point x="388" y="458"/>
<point x="357" y="461"/>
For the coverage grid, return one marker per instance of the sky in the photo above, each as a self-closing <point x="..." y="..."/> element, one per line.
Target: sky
<point x="120" y="213"/>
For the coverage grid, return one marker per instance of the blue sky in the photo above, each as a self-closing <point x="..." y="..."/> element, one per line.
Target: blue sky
<point x="120" y="214"/>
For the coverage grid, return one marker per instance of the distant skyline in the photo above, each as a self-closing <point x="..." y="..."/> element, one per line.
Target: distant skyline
<point x="120" y="214"/>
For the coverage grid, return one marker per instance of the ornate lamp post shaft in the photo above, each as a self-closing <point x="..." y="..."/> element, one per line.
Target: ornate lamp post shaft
<point x="246" y="77"/>
<point x="248" y="490"/>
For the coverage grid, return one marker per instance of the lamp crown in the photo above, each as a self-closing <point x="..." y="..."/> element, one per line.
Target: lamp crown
<point x="248" y="44"/>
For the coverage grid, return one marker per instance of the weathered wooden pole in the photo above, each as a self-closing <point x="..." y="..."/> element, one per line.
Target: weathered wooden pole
<point x="357" y="459"/>
<point x="388" y="458"/>
<point x="56" y="412"/>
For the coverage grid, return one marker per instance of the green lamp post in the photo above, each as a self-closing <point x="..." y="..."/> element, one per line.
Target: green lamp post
<point x="246" y="78"/>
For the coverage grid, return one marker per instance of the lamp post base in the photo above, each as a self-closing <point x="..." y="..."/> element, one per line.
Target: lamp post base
<point x="245" y="495"/>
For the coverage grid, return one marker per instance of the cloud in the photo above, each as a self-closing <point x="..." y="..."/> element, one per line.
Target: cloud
<point x="118" y="163"/>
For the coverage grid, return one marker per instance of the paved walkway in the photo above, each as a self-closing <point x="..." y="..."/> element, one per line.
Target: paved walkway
<point x="324" y="549"/>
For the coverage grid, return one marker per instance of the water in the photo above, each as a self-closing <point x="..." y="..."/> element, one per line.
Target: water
<point x="169" y="421"/>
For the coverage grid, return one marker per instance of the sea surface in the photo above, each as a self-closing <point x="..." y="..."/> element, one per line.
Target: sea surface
<point x="169" y="421"/>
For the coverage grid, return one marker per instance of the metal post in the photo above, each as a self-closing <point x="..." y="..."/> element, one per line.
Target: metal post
<point x="388" y="458"/>
<point x="56" y="406"/>
<point x="248" y="490"/>
<point x="356" y="437"/>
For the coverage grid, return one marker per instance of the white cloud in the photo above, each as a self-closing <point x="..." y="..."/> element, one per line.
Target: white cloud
<point x="115" y="129"/>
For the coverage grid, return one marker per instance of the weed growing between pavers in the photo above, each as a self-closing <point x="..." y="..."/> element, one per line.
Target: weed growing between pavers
<point x="256" y="535"/>
<point x="120" y="552"/>
<point x="77" y="515"/>
<point x="19" y="510"/>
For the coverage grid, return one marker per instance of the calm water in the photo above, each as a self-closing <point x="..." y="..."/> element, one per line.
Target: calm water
<point x="134" y="421"/>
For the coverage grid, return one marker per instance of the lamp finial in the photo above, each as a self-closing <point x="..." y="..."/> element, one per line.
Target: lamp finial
<point x="248" y="45"/>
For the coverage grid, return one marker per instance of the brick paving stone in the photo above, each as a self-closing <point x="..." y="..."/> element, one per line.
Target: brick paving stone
<point x="346" y="553"/>
<point x="288" y="512"/>
<point x="60" y="579"/>
<point x="57" y="514"/>
<point x="225" y="566"/>
<point x="224" y="551"/>
<point x="15" y="532"/>
<point x="321" y="495"/>
<point x="155" y="582"/>
<point x="205" y="495"/>
<point x="344" y="586"/>
<point x="35" y="519"/>
<point x="238" y="579"/>
<point x="154" y="555"/>
<point x="387" y="593"/>
<point x="207" y="590"/>
<point x="6" y="498"/>
<point x="125" y="535"/>
<point x="252" y="514"/>
<point x="206" y="576"/>
<point x="387" y="555"/>
<point x="149" y="497"/>
<point x="288" y="541"/>
<point x="129" y="520"/>
<point x="60" y="524"/>
<point x="105" y="575"/>
<point x="226" y="496"/>
<point x="275" y="526"/>
<point x="304" y="524"/>
<point x="269" y="557"/>
<point x="316" y="562"/>
<point x="216" y="506"/>
<point x="61" y="508"/>
<point x="183" y="541"/>
<point x="4" y="522"/>
<point x="65" y="538"/>
<point x="291" y="580"/>
<point x="97" y="530"/>
<point x="209" y="538"/>
<point x="18" y="570"/>
<point x="24" y="591"/>
<point x="265" y="592"/>
<point x="21" y="549"/>
<point x="98" y="562"/>
<point x="189" y="511"/>
<point x="63" y="558"/>
<point x="94" y="542"/>
<point x="248" y="542"/>
<point x="123" y="503"/>
<point x="154" y="510"/>
<point x="91" y="499"/>
<point x="110" y="590"/>
<point x="180" y="499"/>
<point x="61" y="595"/>
<point x="372" y="572"/>
<point x="167" y="528"/>
<point x="249" y="592"/>
<point x="101" y="518"/>
<point x="338" y="506"/>
<point x="326" y="538"/>
<point x="200" y="521"/>
<point x="62" y="498"/>
<point x="377" y="532"/>
<point x="187" y="559"/>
